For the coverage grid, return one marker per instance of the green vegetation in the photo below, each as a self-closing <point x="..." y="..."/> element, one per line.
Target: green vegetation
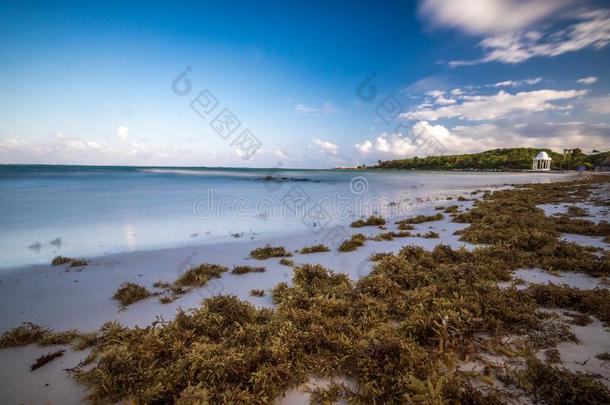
<point x="269" y="251"/>
<point x="315" y="249"/>
<point x="200" y="275"/>
<point x="257" y="292"/>
<point x="128" y="293"/>
<point x="497" y="159"/>
<point x="353" y="243"/>
<point x="247" y="269"/>
<point x="60" y="260"/>
<point x="370" y="221"/>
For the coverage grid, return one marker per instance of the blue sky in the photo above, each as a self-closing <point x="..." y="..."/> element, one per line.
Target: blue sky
<point x="92" y="84"/>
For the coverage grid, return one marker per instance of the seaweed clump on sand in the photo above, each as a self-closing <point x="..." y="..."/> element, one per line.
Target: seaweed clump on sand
<point x="595" y="302"/>
<point x="383" y="236"/>
<point x="194" y="277"/>
<point x="372" y="220"/>
<point x="200" y="275"/>
<point x="453" y="209"/>
<point x="430" y="235"/>
<point x="29" y="333"/>
<point x="47" y="358"/>
<point x="576" y="211"/>
<point x="420" y="219"/>
<point x="604" y="356"/>
<point x="553" y="384"/>
<point x="70" y="261"/>
<point x="128" y="293"/>
<point x="247" y="269"/>
<point x="315" y="249"/>
<point x="398" y="333"/>
<point x="510" y="220"/>
<point x="564" y="223"/>
<point x="269" y="251"/>
<point x="353" y="243"/>
<point x="375" y="257"/>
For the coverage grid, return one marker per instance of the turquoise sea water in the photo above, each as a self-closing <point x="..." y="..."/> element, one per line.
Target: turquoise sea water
<point x="94" y="210"/>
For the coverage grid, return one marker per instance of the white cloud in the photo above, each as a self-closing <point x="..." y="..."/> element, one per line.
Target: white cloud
<point x="491" y="107"/>
<point x="600" y="105"/>
<point x="365" y="146"/>
<point x="587" y="80"/>
<point x="15" y="145"/>
<point x="476" y="138"/>
<point x="488" y="16"/>
<point x="457" y="92"/>
<point x="421" y="138"/>
<point x="518" y="83"/>
<point x="394" y="144"/>
<point x="327" y="147"/>
<point x="122" y="132"/>
<point x="439" y="97"/>
<point x="326" y="108"/>
<point x="591" y="30"/>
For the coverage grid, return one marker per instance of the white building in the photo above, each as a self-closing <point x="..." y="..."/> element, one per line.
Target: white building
<point x="542" y="161"/>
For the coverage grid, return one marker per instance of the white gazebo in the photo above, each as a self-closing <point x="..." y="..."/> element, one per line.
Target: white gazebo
<point x="542" y="161"/>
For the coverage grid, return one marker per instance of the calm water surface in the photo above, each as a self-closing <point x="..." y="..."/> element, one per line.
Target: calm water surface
<point x="85" y="211"/>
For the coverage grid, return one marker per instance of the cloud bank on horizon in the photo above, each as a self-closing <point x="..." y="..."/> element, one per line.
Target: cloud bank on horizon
<point x="471" y="75"/>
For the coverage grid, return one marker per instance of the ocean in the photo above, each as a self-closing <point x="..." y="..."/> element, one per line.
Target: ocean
<point x="95" y="210"/>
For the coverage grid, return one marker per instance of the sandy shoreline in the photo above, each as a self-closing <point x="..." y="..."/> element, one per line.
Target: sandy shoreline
<point x="60" y="298"/>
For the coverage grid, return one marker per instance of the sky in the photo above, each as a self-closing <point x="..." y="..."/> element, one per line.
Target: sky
<point x="299" y="84"/>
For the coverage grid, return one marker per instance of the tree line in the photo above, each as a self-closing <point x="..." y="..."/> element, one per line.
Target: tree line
<point x="498" y="159"/>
